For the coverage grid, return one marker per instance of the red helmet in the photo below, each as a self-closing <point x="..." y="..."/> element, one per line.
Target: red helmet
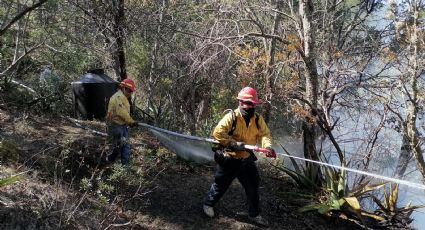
<point x="129" y="84"/>
<point x="248" y="94"/>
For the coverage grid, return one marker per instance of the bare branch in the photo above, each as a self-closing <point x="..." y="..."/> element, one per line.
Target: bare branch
<point x="16" y="62"/>
<point x="20" y="15"/>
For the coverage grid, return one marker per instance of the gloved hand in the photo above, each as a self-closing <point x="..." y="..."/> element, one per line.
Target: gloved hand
<point x="237" y="146"/>
<point x="134" y="124"/>
<point x="271" y="152"/>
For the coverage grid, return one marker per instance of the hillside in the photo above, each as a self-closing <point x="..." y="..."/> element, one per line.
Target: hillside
<point x="66" y="186"/>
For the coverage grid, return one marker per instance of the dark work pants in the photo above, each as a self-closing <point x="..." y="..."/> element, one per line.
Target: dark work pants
<point x="247" y="173"/>
<point x="118" y="135"/>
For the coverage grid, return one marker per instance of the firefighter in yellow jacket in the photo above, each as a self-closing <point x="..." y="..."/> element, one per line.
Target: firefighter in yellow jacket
<point x="243" y="125"/>
<point x="118" y="119"/>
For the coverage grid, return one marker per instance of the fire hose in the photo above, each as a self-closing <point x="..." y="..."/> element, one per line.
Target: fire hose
<point x="264" y="150"/>
<point x="209" y="140"/>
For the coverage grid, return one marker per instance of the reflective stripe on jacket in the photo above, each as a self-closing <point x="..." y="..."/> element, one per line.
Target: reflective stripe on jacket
<point x="250" y="135"/>
<point x="119" y="109"/>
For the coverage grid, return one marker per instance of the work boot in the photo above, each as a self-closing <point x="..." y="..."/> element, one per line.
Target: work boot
<point x="209" y="211"/>
<point x="259" y="220"/>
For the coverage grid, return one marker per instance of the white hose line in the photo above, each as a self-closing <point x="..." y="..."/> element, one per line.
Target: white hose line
<point x="210" y="140"/>
<point x="398" y="181"/>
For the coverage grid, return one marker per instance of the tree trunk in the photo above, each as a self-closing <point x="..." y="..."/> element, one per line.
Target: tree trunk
<point x="118" y="33"/>
<point x="414" y="73"/>
<point x="153" y="56"/>
<point x="269" y="86"/>
<point x="309" y="127"/>
<point x="405" y="157"/>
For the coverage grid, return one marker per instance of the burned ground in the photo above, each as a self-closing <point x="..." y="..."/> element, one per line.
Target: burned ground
<point x="66" y="185"/>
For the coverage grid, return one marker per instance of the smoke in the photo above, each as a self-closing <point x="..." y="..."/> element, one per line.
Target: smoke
<point x="292" y="145"/>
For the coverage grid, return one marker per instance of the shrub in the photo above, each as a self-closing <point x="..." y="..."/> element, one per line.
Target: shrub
<point x="8" y="151"/>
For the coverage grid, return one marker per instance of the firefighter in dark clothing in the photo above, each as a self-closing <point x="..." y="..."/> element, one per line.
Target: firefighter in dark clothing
<point x="235" y="161"/>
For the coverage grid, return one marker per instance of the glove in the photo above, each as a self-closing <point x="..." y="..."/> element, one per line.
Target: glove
<point x="134" y="124"/>
<point x="237" y="146"/>
<point x="271" y="152"/>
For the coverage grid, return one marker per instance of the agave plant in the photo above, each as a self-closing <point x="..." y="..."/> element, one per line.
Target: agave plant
<point x="388" y="214"/>
<point x="334" y="195"/>
<point x="333" y="189"/>
<point x="305" y="177"/>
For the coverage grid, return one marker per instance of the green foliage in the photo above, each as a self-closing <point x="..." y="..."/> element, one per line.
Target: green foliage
<point x="85" y="184"/>
<point x="104" y="187"/>
<point x="8" y="151"/>
<point x="159" y="112"/>
<point x="335" y="195"/>
<point x="137" y="56"/>
<point x="118" y="173"/>
<point x="52" y="95"/>
<point x="9" y="180"/>
<point x="17" y="96"/>
<point x="421" y="14"/>
<point x="305" y="177"/>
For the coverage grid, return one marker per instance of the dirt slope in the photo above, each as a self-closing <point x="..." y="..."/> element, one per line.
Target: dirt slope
<point x="68" y="187"/>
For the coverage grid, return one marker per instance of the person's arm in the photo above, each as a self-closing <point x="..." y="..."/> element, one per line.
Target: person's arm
<point x="266" y="138"/>
<point x="221" y="131"/>
<point x="111" y="105"/>
<point x="264" y="133"/>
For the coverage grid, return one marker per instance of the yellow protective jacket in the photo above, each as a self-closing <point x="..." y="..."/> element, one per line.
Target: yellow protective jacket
<point x="250" y="135"/>
<point x="119" y="109"/>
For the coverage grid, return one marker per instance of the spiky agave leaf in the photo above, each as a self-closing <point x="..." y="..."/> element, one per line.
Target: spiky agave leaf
<point x="299" y="178"/>
<point x="309" y="207"/>
<point x="330" y="179"/>
<point x="393" y="197"/>
<point x="336" y="204"/>
<point x="372" y="215"/>
<point x="381" y="204"/>
<point x="386" y="200"/>
<point x="342" y="183"/>
<point x="294" y="163"/>
<point x="321" y="208"/>
<point x="410" y="209"/>
<point x="354" y="204"/>
<point x="363" y="188"/>
<point x="324" y="209"/>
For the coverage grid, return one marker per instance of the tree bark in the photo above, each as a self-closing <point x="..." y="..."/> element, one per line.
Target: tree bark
<point x="118" y="33"/>
<point x="269" y="86"/>
<point x="414" y="73"/>
<point x="306" y="10"/>
<point x="405" y="157"/>
<point x="153" y="55"/>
